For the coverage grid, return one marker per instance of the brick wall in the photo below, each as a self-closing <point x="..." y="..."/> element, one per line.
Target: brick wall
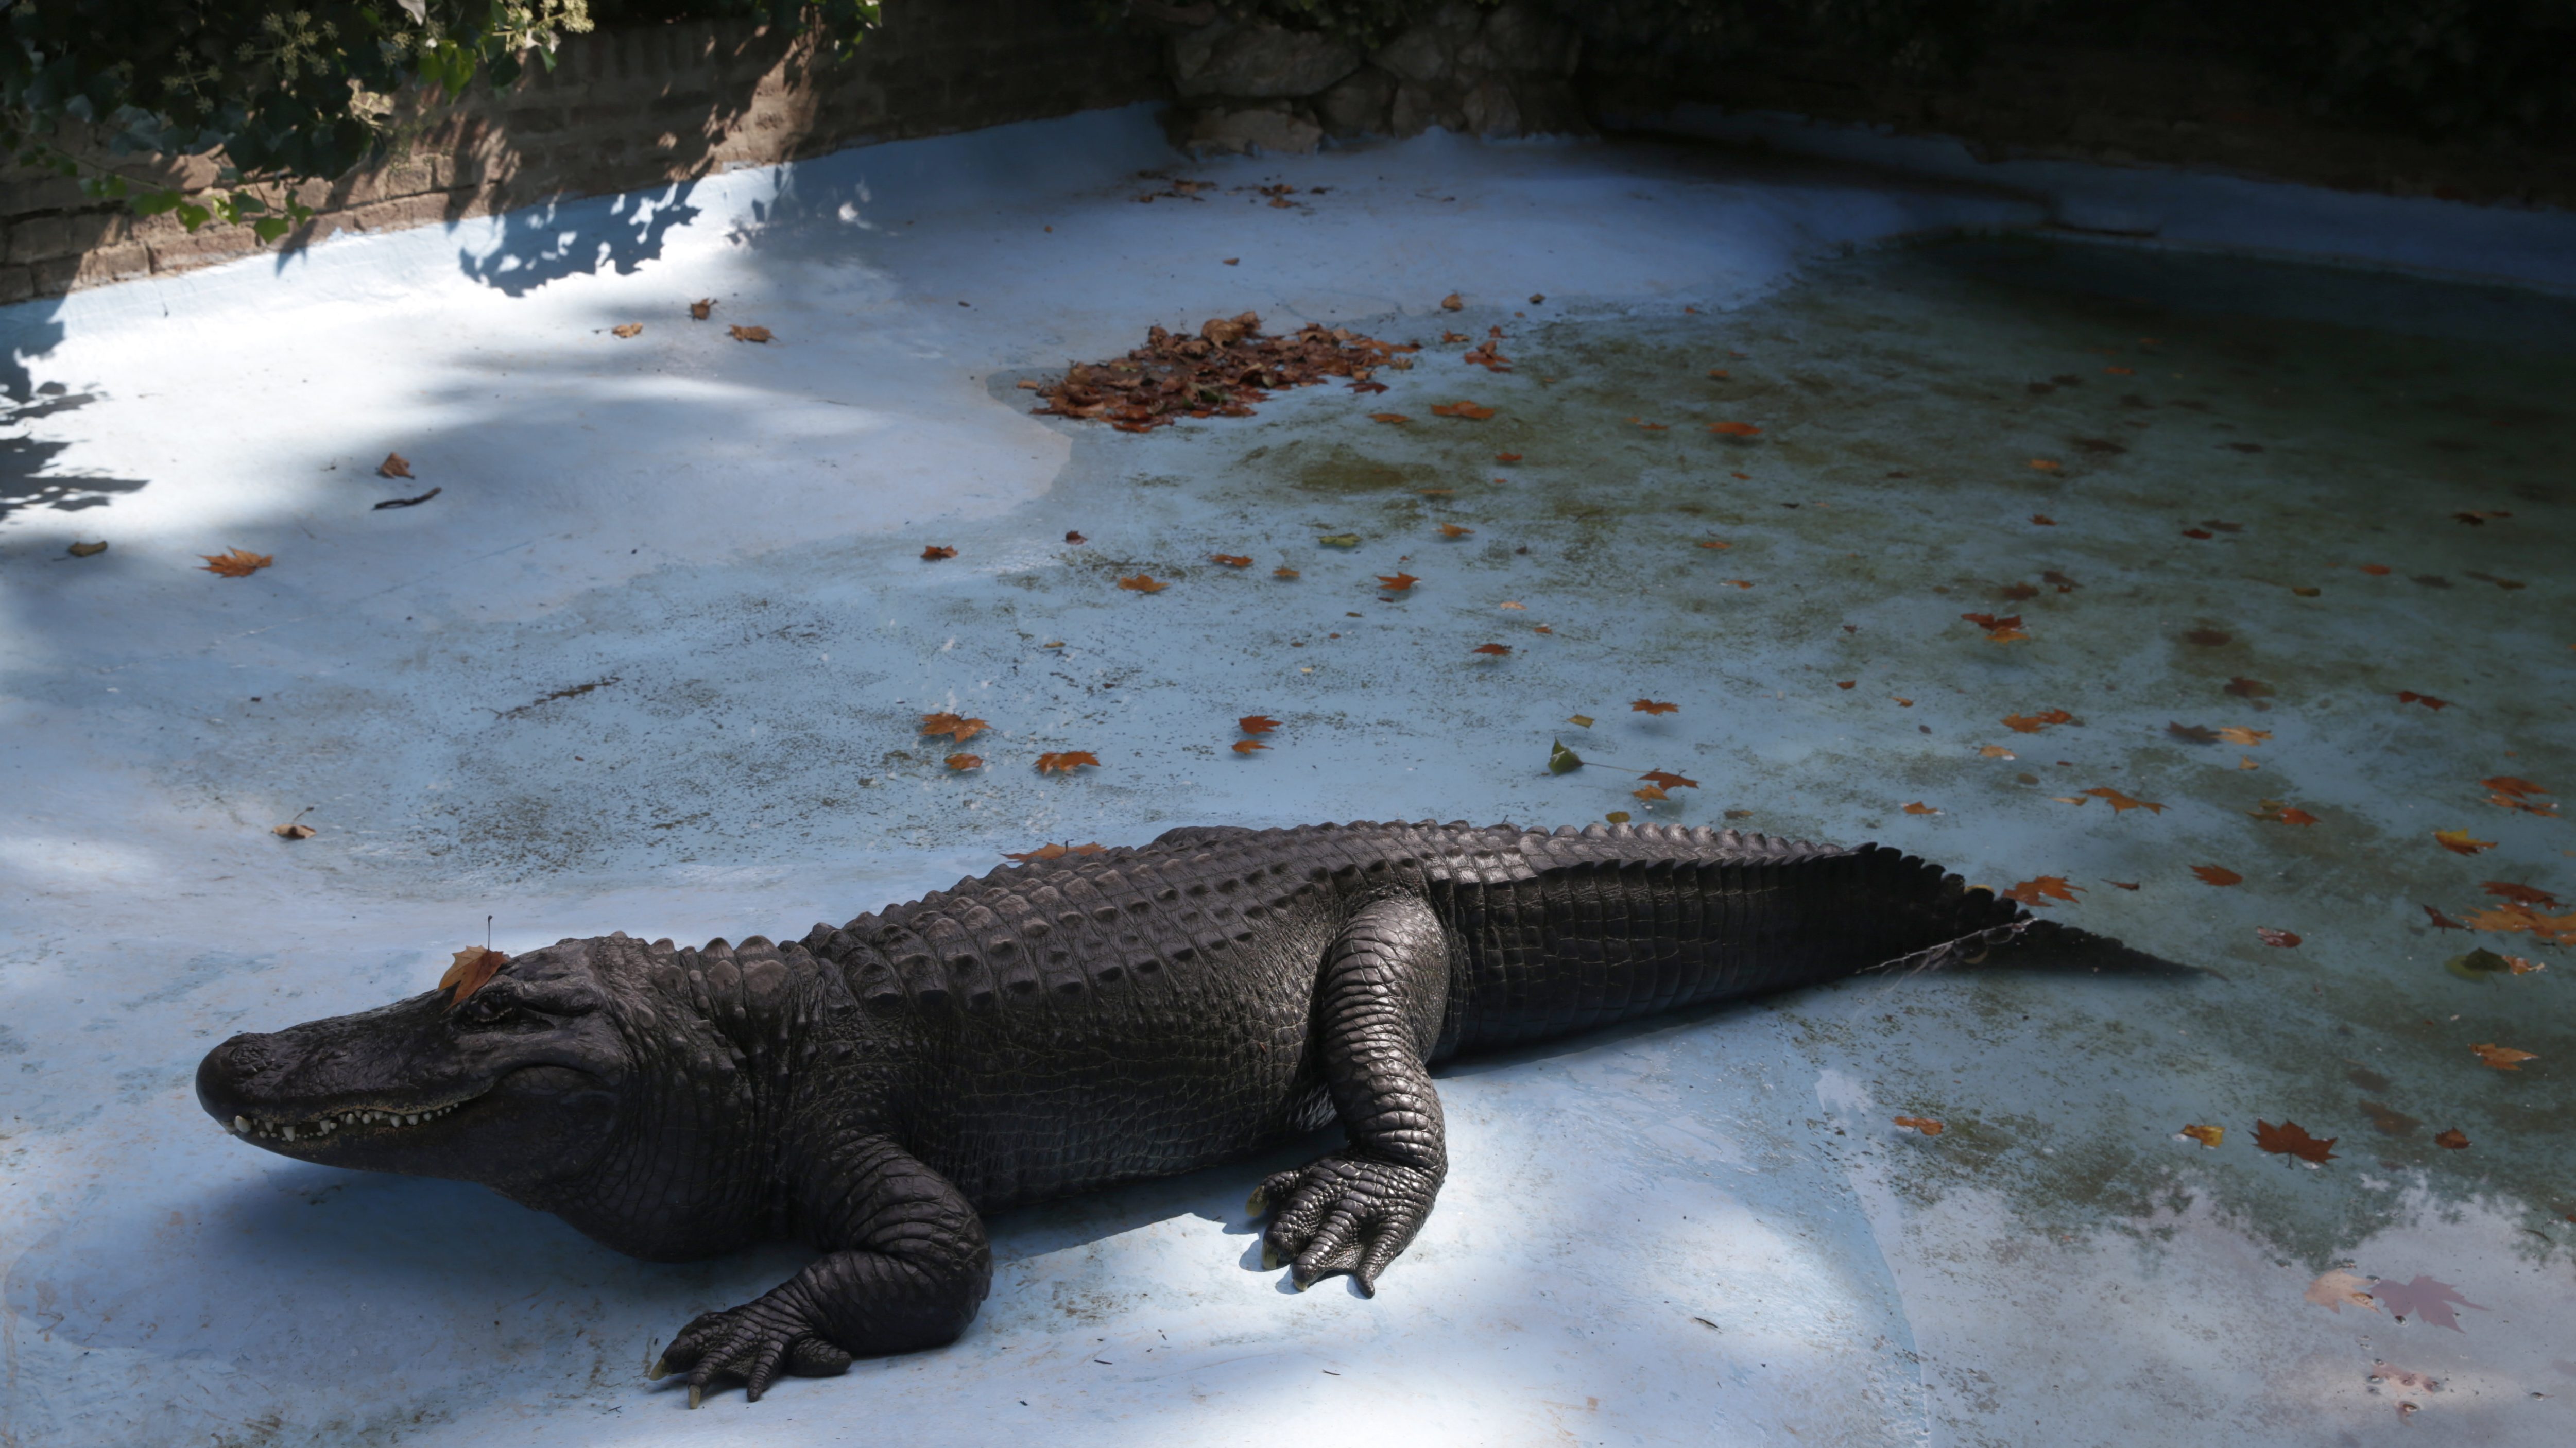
<point x="627" y="108"/>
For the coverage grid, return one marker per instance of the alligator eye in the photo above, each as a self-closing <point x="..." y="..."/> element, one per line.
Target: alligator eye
<point x="484" y="1010"/>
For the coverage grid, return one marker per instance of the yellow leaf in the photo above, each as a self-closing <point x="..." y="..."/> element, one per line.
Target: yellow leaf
<point x="2206" y="1135"/>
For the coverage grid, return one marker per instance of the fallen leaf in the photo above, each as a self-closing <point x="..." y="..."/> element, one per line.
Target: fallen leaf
<point x="2477" y="518"/>
<point x="1388" y="417"/>
<point x="2442" y="921"/>
<point x="2339" y="1289"/>
<point x="1247" y="746"/>
<point x="2043" y="520"/>
<point x="1923" y="1124"/>
<point x="1620" y="817"/>
<point x="1067" y="762"/>
<point x="1653" y="706"/>
<point x="956" y="727"/>
<point x="698" y="309"/>
<point x="1467" y="410"/>
<point x="2192" y="733"/>
<point x="2238" y="734"/>
<point x="1734" y="429"/>
<point x="1234" y="261"/>
<point x="964" y="762"/>
<point x="1496" y="650"/>
<point x="1991" y="751"/>
<point x="2195" y="532"/>
<point x="2291" y="1139"/>
<point x="750" y="334"/>
<point x="2037" y="893"/>
<point x="1666" y="779"/>
<point x="1340" y="540"/>
<point x="1397" y="583"/>
<point x="1739" y="583"/>
<point x="2046" y="465"/>
<point x="1507" y="457"/>
<point x="627" y="329"/>
<point x="2518" y="893"/>
<point x="2123" y="884"/>
<point x="2033" y="723"/>
<point x="1055" y="852"/>
<point x="934" y="553"/>
<point x="395" y="465"/>
<point x="1717" y="372"/>
<point x="1285" y="572"/>
<point x="1143" y="583"/>
<point x="2285" y="939"/>
<point x="87" y="550"/>
<point x="2409" y="696"/>
<point x="2375" y="570"/>
<point x="239" y="563"/>
<point x="469" y="970"/>
<point x="292" y="830"/>
<point x="1075" y="538"/>
<point x="1561" y="760"/>
<point x="2002" y="630"/>
<point x="1901" y="702"/>
<point x="2459" y="843"/>
<point x="2502" y="1058"/>
<point x="2424" y="1297"/>
<point x="2217" y="875"/>
<point x="2501" y="784"/>
<point x="2455" y="1139"/>
<point x="1656" y="426"/>
<point x="2121" y="803"/>
<point x="1579" y="720"/>
<point x="1452" y="530"/>
<point x="1452" y="302"/>
<point x="1650" y="792"/>
<point x="1920" y="808"/>
<point x="1366" y="388"/>
<point x="1256" y="723"/>
<point x="2206" y="1135"/>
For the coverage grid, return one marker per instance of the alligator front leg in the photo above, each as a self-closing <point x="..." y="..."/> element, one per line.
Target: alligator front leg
<point x="905" y="1268"/>
<point x="1377" y="1016"/>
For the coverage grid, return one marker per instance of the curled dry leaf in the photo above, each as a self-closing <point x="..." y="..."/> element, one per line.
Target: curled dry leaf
<point x="1397" y="583"/>
<point x="2121" y="803"/>
<point x="1230" y="560"/>
<point x="627" y="329"/>
<point x="1388" y="417"/>
<point x="1283" y="571"/>
<point x="2043" y="520"/>
<point x="2340" y="1289"/>
<point x="2217" y="875"/>
<point x="468" y="971"/>
<point x="1256" y="723"/>
<point x="699" y="309"/>
<point x="2291" y="1139"/>
<point x="2455" y="1139"/>
<point x="1055" y="852"/>
<point x="87" y="550"/>
<point x="2037" y="893"/>
<point x="1247" y="746"/>
<point x="1650" y="792"/>
<point x="2285" y="939"/>
<point x="2502" y="1058"/>
<point x="2409" y="696"/>
<point x="293" y="830"/>
<point x="956" y="727"/>
<point x="1920" y="808"/>
<point x="1074" y="536"/>
<point x="1067" y="762"/>
<point x="2206" y="1135"/>
<point x="2001" y="630"/>
<point x="239" y="563"/>
<point x="963" y="762"/>
<point x="395" y="465"/>
<point x="1340" y="540"/>
<point x="2046" y="465"/>
<point x="934" y="553"/>
<point x="1653" y="706"/>
<point x="2033" y="723"/>
<point x="1142" y="583"/>
<point x="1452" y="302"/>
<point x="2234" y="734"/>
<point x="1452" y="530"/>
<point x="1991" y="751"/>
<point x="1492" y="650"/>
<point x="2458" y="842"/>
<point x="1467" y="410"/>
<point x="1667" y="779"/>
<point x="1924" y="1124"/>
<point x="750" y="334"/>
<point x="1580" y="721"/>
<point x="1734" y="429"/>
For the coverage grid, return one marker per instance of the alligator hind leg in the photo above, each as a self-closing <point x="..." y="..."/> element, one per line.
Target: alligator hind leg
<point x="1377" y="1016"/>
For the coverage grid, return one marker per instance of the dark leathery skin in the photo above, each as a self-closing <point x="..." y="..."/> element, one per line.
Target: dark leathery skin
<point x="1059" y="1025"/>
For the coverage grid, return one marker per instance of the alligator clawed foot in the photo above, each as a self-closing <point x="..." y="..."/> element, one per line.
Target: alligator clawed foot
<point x="1346" y="1212"/>
<point x="752" y="1344"/>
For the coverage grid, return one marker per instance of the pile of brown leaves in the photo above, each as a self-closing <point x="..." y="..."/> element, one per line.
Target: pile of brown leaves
<point x="1220" y="372"/>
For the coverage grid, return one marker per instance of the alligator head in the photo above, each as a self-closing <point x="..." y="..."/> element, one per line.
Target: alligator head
<point x="518" y="1084"/>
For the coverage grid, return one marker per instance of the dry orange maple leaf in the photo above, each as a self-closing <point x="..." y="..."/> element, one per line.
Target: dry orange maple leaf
<point x="1650" y="792"/>
<point x="1452" y="302"/>
<point x="1256" y="723"/>
<point x="2459" y="843"/>
<point x="1054" y="852"/>
<point x="395" y="465"/>
<point x="2037" y="893"/>
<point x="2513" y="785"/>
<point x="2455" y="1139"/>
<point x="1396" y="584"/>
<point x="1653" y="706"/>
<point x="1714" y="543"/>
<point x="2234" y="734"/>
<point x="698" y="309"/>
<point x="239" y="563"/>
<point x="1467" y="410"/>
<point x="1283" y="571"/>
<point x="2291" y="1139"/>
<point x="1924" y="1124"/>
<point x="1247" y="746"/>
<point x="955" y="726"/>
<point x="2339" y="1289"/>
<point x="2121" y="803"/>
<point x="471" y="968"/>
<point x="1998" y="630"/>
<point x="934" y="553"/>
<point x="2206" y="1135"/>
<point x="1920" y="808"/>
<point x="2217" y="875"/>
<point x="750" y="334"/>
<point x="2033" y="723"/>
<point x="1734" y="429"/>
<point x="1496" y="650"/>
<point x="1507" y="457"/>
<point x="1452" y="530"/>
<point x="1142" y="583"/>
<point x="1991" y="751"/>
<point x="963" y="762"/>
<point x="1230" y="560"/>
<point x="2503" y="1058"/>
<point x="1666" y="779"/>
<point x="1067" y="762"/>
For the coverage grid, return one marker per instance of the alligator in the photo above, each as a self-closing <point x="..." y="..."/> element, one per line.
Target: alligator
<point x="875" y="1088"/>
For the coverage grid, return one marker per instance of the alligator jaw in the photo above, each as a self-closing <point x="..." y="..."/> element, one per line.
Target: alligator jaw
<point x="368" y="1120"/>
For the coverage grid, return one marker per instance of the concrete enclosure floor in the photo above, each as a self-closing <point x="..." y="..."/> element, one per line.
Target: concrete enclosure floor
<point x="2286" y="544"/>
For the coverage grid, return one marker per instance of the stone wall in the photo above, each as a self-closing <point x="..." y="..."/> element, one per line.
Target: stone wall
<point x="633" y="107"/>
<point x="1502" y="72"/>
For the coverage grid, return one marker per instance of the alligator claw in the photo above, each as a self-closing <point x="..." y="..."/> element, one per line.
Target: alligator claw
<point x="697" y="1395"/>
<point x="1347" y="1212"/>
<point x="658" y="1370"/>
<point x="752" y="1344"/>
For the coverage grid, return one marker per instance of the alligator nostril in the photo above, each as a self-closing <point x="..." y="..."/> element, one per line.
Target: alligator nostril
<point x="243" y="1056"/>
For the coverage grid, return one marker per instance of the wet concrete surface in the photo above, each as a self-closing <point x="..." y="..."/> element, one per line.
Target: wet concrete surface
<point x="653" y="659"/>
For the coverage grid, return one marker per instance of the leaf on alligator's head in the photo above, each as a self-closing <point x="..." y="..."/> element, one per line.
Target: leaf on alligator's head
<point x="474" y="965"/>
